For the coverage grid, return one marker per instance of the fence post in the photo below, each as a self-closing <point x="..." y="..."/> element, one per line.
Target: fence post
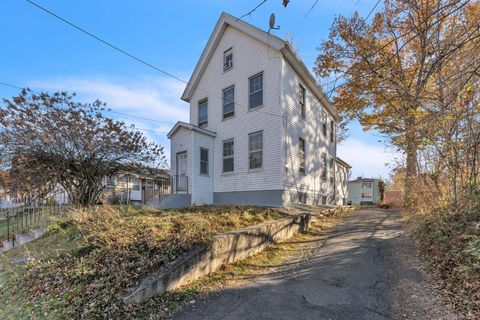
<point x="8" y="225"/>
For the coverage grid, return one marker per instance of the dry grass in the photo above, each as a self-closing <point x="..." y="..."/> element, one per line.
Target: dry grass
<point x="111" y="250"/>
<point x="451" y="242"/>
<point x="86" y="263"/>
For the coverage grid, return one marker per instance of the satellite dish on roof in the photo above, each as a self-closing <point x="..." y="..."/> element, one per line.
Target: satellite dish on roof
<point x="271" y="23"/>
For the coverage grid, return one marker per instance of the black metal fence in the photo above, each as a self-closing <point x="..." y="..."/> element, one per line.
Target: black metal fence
<point x="21" y="214"/>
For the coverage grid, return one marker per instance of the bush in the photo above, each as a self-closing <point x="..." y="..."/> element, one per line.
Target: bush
<point x="451" y="242"/>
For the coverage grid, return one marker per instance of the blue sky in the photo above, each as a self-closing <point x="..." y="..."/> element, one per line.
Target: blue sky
<point x="44" y="53"/>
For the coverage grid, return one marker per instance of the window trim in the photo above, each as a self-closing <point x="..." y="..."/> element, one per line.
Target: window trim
<point x="228" y="157"/>
<point x="198" y="112"/>
<point x="263" y="90"/>
<point x="204" y="161"/>
<point x="302" y="102"/>
<point x="223" y="102"/>
<point x="224" y="60"/>
<point x="250" y="151"/>
<point x="302" y="156"/>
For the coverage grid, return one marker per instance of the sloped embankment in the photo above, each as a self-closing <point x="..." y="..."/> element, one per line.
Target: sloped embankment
<point x="110" y="251"/>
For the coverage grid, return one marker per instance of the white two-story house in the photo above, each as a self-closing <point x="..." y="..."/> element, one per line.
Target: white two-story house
<point x="261" y="129"/>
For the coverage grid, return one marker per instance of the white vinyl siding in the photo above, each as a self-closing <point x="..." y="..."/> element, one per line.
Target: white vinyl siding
<point x="250" y="58"/>
<point x="309" y="128"/>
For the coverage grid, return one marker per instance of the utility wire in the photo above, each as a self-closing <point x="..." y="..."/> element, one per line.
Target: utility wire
<point x="106" y="110"/>
<point x="252" y="11"/>
<point x="135" y="57"/>
<point x="106" y="42"/>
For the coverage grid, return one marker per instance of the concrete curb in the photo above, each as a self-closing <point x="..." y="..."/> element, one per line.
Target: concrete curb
<point x="225" y="248"/>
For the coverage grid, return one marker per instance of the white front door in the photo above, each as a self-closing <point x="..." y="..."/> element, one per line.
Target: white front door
<point x="181" y="179"/>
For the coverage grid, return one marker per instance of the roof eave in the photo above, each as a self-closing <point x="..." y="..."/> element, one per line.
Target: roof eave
<point x="189" y="126"/>
<point x="292" y="57"/>
<point x="223" y="22"/>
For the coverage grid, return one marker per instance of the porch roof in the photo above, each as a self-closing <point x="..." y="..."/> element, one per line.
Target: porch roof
<point x="192" y="127"/>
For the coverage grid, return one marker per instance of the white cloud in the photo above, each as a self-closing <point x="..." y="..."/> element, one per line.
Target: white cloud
<point x="148" y="97"/>
<point x="367" y="159"/>
<point x="152" y="98"/>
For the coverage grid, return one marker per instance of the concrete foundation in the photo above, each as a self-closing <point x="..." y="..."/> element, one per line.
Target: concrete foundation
<point x="265" y="198"/>
<point x="225" y="248"/>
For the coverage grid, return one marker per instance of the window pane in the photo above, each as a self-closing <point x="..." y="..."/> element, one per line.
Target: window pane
<point x="255" y="159"/>
<point x="227" y="59"/>
<point x="203" y="161"/>
<point x="227" y="164"/>
<point x="228" y="156"/>
<point x="301" y="147"/>
<point x="228" y="102"/>
<point x="256" y="141"/>
<point x="203" y="154"/>
<point x="256" y="99"/>
<point x="228" y="148"/>
<point x="255" y="150"/>
<point x="202" y="113"/>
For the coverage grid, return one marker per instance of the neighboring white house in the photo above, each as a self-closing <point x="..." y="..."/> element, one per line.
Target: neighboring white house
<point x="137" y="186"/>
<point x="261" y="129"/>
<point x="363" y="191"/>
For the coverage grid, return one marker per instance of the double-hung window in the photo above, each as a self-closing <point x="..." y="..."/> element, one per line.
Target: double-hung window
<point x="301" y="154"/>
<point x="332" y="130"/>
<point x="203" y="161"/>
<point x="228" y="102"/>
<point x="228" y="156"/>
<point x="255" y="85"/>
<point x="324" y="167"/>
<point x="255" y="150"/>
<point x="302" y="100"/>
<point x="228" y="60"/>
<point x="203" y="113"/>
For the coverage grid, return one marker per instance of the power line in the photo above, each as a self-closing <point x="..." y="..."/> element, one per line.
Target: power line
<point x="132" y="55"/>
<point x="106" y="42"/>
<point x="107" y="110"/>
<point x="251" y="11"/>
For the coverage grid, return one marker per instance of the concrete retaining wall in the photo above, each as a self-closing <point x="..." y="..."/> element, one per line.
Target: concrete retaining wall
<point x="225" y="248"/>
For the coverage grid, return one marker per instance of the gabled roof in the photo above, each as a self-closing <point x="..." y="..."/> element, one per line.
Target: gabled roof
<point x="189" y="126"/>
<point x="273" y="41"/>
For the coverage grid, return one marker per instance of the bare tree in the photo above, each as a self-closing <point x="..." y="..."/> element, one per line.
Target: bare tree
<point x="51" y="140"/>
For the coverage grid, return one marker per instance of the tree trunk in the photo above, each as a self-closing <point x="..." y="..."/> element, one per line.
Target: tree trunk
<point x="411" y="168"/>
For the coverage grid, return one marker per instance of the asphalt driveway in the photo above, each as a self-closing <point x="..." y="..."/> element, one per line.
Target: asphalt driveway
<point x="367" y="268"/>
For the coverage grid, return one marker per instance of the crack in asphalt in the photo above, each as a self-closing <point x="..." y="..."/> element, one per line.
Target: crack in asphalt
<point x="352" y="273"/>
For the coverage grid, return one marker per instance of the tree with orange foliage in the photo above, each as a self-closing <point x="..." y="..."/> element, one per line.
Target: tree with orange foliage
<point x="390" y="66"/>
